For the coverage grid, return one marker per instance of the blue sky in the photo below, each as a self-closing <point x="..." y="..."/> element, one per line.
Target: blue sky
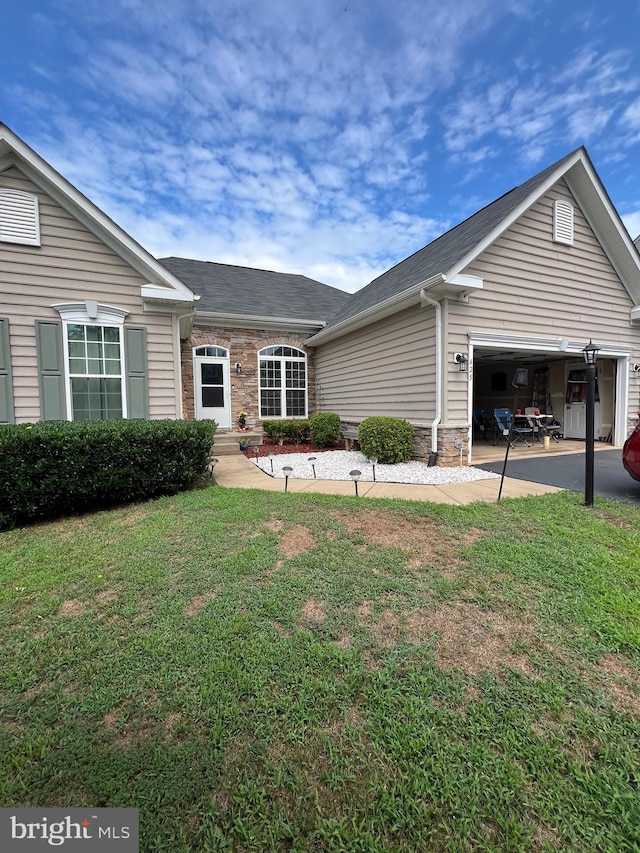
<point x="331" y="138"/>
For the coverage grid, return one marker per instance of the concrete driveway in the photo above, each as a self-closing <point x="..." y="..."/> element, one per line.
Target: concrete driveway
<point x="567" y="472"/>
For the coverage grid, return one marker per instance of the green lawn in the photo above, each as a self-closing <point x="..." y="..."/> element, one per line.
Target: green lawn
<point x="271" y="672"/>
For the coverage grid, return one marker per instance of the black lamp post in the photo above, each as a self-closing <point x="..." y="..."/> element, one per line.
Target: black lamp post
<point x="590" y="353"/>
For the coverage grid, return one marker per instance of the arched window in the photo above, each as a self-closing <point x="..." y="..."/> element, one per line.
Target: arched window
<point x="283" y="382"/>
<point x="211" y="352"/>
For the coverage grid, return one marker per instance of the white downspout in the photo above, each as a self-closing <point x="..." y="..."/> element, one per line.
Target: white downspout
<point x="438" y="417"/>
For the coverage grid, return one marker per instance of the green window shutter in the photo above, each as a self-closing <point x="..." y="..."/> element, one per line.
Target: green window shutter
<point x="135" y="355"/>
<point x="53" y="405"/>
<point x="6" y="384"/>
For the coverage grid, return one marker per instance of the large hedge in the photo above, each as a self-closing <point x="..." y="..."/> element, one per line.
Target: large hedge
<point x="60" y="468"/>
<point x="390" y="439"/>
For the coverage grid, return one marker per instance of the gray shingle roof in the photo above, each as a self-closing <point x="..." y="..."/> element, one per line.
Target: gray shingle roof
<point x="444" y="252"/>
<point x="227" y="289"/>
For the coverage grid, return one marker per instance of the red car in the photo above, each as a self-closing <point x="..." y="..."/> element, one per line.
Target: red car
<point x="631" y="453"/>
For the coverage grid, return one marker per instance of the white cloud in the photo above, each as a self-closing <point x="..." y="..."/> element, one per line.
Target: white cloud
<point x="302" y="135"/>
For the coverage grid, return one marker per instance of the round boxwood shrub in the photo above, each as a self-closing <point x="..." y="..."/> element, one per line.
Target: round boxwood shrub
<point x="390" y="439"/>
<point x="325" y="428"/>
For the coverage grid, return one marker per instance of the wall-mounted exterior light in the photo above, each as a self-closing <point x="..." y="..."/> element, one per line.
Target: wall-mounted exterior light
<point x="462" y="361"/>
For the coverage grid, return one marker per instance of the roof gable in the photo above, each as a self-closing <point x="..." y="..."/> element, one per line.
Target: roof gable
<point x="163" y="286"/>
<point x="450" y="254"/>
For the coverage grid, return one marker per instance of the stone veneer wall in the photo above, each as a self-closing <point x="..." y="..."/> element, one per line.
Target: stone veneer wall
<point x="448" y="453"/>
<point x="243" y="346"/>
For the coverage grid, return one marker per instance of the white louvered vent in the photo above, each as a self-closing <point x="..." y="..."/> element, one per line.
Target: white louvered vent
<point x="19" y="219"/>
<point x="563" y="222"/>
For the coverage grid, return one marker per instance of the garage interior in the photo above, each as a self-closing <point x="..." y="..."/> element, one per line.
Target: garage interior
<point x="556" y="386"/>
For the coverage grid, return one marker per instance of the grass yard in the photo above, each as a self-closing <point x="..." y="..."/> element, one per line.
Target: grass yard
<point x="268" y="672"/>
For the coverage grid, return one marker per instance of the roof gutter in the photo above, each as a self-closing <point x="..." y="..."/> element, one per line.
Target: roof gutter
<point x="369" y="314"/>
<point x="436" y="421"/>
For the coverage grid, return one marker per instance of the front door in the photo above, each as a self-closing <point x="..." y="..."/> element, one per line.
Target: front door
<point x="213" y="390"/>
<point x="575" y="408"/>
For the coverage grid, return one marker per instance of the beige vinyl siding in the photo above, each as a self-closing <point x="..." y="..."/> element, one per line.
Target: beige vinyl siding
<point x="73" y="265"/>
<point x="386" y="368"/>
<point x="533" y="286"/>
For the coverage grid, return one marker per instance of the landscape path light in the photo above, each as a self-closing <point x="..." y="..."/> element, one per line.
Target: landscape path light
<point x="374" y="461"/>
<point x="312" y="460"/>
<point x="355" y="476"/>
<point x="212" y="464"/>
<point x="287" y="471"/>
<point x="270" y="458"/>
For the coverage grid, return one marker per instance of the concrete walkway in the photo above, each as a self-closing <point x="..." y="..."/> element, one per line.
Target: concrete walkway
<point x="239" y="472"/>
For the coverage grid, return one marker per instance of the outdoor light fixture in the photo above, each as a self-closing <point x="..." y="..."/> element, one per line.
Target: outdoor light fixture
<point x="238" y="367"/>
<point x="312" y="459"/>
<point x="520" y="380"/>
<point x="590" y="353"/>
<point x="270" y="458"/>
<point x="287" y="471"/>
<point x="374" y="461"/>
<point x="256" y="450"/>
<point x="462" y="361"/>
<point x="212" y="464"/>
<point x="355" y="476"/>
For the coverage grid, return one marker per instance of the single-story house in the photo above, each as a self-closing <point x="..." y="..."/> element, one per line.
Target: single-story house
<point x="93" y="326"/>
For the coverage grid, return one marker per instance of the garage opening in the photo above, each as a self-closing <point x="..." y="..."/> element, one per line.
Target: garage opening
<point x="556" y="387"/>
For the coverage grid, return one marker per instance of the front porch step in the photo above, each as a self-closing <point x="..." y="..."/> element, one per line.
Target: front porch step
<point x="228" y="443"/>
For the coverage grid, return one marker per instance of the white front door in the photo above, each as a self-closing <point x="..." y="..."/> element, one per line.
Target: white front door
<point x="213" y="390"/>
<point x="575" y="407"/>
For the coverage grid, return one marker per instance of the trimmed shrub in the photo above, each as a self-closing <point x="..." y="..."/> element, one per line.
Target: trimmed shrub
<point x="390" y="439"/>
<point x="59" y="468"/>
<point x="325" y="428"/>
<point x="295" y="431"/>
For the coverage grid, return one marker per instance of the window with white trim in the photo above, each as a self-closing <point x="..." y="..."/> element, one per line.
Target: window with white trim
<point x="95" y="362"/>
<point x="211" y="352"/>
<point x="19" y="217"/>
<point x="283" y="382"/>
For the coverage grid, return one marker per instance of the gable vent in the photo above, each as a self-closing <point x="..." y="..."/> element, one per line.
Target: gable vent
<point x="563" y="222"/>
<point x="19" y="220"/>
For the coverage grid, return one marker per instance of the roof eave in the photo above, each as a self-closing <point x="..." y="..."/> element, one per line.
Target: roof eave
<point x="379" y="311"/>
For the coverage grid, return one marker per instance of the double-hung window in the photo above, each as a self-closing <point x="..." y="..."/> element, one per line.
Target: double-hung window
<point x="95" y="371"/>
<point x="283" y="382"/>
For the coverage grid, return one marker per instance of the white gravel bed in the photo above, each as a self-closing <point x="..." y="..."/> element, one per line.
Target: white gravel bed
<point x="336" y="465"/>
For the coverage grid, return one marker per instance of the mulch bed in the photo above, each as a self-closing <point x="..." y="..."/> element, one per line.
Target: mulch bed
<point x="278" y="449"/>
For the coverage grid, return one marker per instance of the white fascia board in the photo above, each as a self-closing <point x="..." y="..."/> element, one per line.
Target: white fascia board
<point x="256" y="321"/>
<point x="79" y="206"/>
<point x="634" y="314"/>
<point x="376" y="312"/>
<point x="500" y="340"/>
<point x="157" y="293"/>
<point x="506" y="223"/>
<point x="605" y="222"/>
